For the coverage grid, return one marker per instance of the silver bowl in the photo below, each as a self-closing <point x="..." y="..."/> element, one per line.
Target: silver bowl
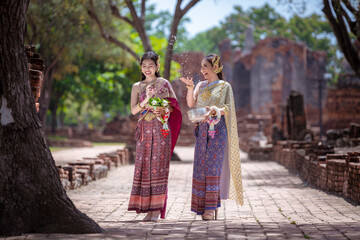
<point x="197" y="114"/>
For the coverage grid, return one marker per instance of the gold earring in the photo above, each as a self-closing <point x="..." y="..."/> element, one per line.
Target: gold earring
<point x="216" y="63"/>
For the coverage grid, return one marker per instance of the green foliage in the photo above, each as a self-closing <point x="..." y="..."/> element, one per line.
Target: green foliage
<point x="98" y="88"/>
<point x="206" y="42"/>
<point x="313" y="30"/>
<point x="53" y="24"/>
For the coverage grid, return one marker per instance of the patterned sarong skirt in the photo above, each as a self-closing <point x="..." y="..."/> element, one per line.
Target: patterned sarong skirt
<point x="153" y="152"/>
<point x="209" y="155"/>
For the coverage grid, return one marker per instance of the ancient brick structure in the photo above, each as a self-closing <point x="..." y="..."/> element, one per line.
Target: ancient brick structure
<point x="317" y="165"/>
<point x="122" y="128"/>
<point x="265" y="76"/>
<point x="36" y="72"/>
<point x="80" y="172"/>
<point x="342" y="105"/>
<point x="226" y="52"/>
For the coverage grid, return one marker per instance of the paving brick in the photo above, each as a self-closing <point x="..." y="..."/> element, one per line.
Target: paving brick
<point x="277" y="205"/>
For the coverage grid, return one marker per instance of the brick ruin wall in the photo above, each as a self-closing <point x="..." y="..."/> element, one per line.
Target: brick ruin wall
<point x="342" y="107"/>
<point x="265" y="77"/>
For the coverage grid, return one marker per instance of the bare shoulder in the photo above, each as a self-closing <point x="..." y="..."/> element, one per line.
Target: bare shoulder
<point x="136" y="85"/>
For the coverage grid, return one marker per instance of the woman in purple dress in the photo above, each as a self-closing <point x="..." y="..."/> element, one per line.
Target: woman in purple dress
<point x="217" y="169"/>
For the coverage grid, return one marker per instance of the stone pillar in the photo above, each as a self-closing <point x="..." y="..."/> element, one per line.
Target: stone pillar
<point x="296" y="116"/>
<point x="249" y="40"/>
<point x="241" y="79"/>
<point x="225" y="54"/>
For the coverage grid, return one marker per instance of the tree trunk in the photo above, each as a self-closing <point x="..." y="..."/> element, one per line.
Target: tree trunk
<point x="178" y="14"/>
<point x="32" y="198"/>
<point x="53" y="110"/>
<point x="171" y="43"/>
<point x="333" y="13"/>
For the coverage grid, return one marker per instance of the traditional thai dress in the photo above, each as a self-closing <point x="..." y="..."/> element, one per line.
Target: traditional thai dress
<point x="217" y="169"/>
<point x="153" y="152"/>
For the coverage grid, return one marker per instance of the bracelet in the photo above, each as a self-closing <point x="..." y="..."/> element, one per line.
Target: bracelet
<point x="190" y="86"/>
<point x="140" y="106"/>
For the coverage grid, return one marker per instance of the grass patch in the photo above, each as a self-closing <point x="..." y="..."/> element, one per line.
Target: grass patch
<point x="293" y="222"/>
<point x="54" y="149"/>
<point x="54" y="138"/>
<point x="108" y="144"/>
<point x="306" y="237"/>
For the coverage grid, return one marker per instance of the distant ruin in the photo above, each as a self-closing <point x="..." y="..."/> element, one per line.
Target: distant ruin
<point x="264" y="76"/>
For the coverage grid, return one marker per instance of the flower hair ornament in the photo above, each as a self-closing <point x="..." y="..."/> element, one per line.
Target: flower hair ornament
<point x="216" y="63"/>
<point x="213" y="121"/>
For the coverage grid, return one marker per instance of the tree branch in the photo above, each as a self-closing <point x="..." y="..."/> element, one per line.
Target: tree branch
<point x="108" y="37"/>
<point x="143" y="10"/>
<point x="116" y="12"/>
<point x="352" y="25"/>
<point x="342" y="36"/>
<point x="53" y="61"/>
<point x="188" y="6"/>
<point x="139" y="26"/>
<point x="349" y="6"/>
<point x="173" y="33"/>
<point x="33" y="29"/>
<point x="133" y="13"/>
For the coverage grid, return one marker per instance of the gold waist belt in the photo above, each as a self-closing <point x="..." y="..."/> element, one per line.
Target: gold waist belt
<point x="149" y="116"/>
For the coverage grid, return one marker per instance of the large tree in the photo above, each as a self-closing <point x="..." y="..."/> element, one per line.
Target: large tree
<point x="32" y="198"/>
<point x="136" y="17"/>
<point x="344" y="18"/>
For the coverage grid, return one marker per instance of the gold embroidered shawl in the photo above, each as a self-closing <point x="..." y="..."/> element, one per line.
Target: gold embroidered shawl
<point x="220" y="94"/>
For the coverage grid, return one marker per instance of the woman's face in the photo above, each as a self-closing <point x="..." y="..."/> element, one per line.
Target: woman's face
<point x="207" y="69"/>
<point x="148" y="68"/>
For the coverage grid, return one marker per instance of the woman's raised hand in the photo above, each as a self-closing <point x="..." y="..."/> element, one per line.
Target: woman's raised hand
<point x="149" y="91"/>
<point x="188" y="81"/>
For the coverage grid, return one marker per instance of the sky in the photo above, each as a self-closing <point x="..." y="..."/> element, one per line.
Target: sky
<point x="208" y="13"/>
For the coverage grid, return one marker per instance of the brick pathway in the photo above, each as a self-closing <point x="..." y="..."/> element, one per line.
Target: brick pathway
<point x="277" y="206"/>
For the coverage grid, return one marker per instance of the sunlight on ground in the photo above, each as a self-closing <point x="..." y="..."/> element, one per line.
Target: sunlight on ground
<point x="108" y="144"/>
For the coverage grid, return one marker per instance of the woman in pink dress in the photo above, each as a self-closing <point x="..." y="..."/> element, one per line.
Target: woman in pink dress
<point x="156" y="134"/>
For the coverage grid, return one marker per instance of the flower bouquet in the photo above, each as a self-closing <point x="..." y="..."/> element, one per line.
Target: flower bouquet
<point x="160" y="102"/>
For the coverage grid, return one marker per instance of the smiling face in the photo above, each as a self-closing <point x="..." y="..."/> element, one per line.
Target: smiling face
<point x="149" y="68"/>
<point x="207" y="70"/>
